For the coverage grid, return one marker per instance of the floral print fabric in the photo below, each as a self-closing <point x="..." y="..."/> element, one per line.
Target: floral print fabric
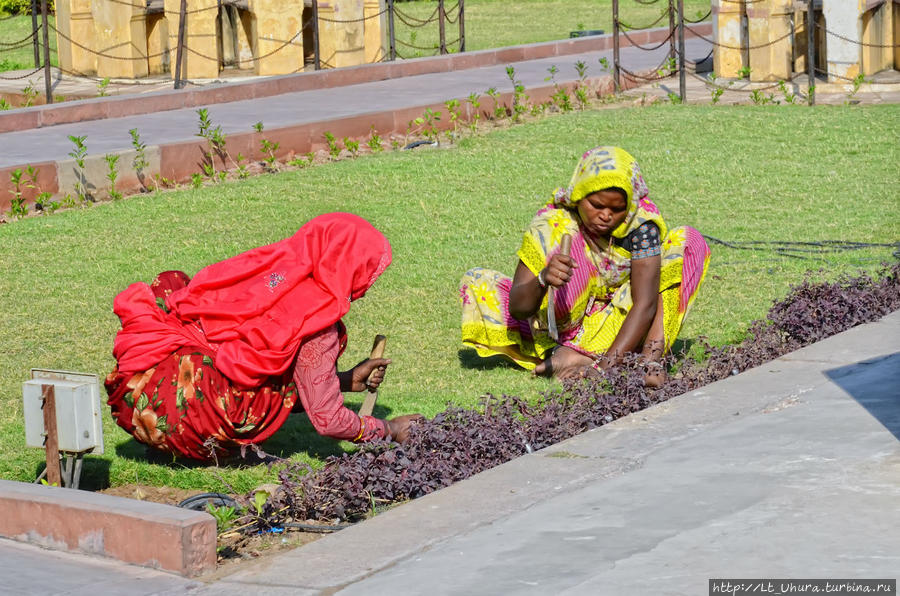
<point x="592" y="306"/>
<point x="181" y="402"/>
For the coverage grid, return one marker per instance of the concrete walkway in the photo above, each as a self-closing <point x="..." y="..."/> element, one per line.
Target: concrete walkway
<point x="111" y="135"/>
<point x="296" y="120"/>
<point x="789" y="470"/>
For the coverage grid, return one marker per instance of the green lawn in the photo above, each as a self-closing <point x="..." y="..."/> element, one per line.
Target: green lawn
<point x="500" y="23"/>
<point x="736" y="173"/>
<point x="17" y="28"/>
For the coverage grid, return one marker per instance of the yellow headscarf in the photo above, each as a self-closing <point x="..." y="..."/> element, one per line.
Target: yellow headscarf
<point x="607" y="167"/>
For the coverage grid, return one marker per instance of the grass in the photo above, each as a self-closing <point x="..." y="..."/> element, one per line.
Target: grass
<point x="16" y="28"/>
<point x="736" y="173"/>
<point x="500" y="23"/>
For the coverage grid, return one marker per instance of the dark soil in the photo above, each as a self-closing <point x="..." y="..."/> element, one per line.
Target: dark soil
<point x="155" y="494"/>
<point x="234" y="547"/>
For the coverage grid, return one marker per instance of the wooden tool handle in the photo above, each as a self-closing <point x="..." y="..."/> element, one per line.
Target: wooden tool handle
<point x="565" y="245"/>
<point x="378" y="347"/>
<point x="371" y="395"/>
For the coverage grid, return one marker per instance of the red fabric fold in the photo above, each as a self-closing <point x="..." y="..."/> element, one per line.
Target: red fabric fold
<point x="253" y="310"/>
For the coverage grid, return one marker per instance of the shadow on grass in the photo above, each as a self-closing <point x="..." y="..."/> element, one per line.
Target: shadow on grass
<point x="297" y="435"/>
<point x="681" y="348"/>
<point x="469" y="358"/>
<point x="94" y="473"/>
<point x="137" y="451"/>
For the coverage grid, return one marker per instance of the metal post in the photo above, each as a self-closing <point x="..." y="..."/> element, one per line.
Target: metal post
<point x="48" y="91"/>
<point x="392" y="41"/>
<point x="34" y="40"/>
<point x="811" y="52"/>
<point x="179" y="52"/>
<point x="68" y="470"/>
<point x="315" y="17"/>
<point x="76" y="478"/>
<point x="682" y="84"/>
<point x="462" y="26"/>
<point x="615" y="23"/>
<point x="51" y="444"/>
<point x="442" y="33"/>
<point x="672" y="29"/>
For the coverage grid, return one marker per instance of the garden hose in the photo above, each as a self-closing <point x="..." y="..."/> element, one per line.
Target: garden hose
<point x="803" y="250"/>
<point x="415" y="144"/>
<point x="200" y="502"/>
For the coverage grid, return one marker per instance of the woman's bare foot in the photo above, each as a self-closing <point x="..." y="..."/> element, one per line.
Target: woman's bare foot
<point x="563" y="363"/>
<point x="655" y="376"/>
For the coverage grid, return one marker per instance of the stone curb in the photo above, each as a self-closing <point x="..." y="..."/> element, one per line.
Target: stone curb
<point x="130" y="105"/>
<point x="138" y="532"/>
<point x="341" y="559"/>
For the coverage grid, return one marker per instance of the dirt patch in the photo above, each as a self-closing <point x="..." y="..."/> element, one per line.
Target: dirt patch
<point x="235" y="549"/>
<point x="166" y="495"/>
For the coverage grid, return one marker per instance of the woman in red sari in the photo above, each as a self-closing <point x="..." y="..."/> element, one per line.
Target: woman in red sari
<point x="229" y="354"/>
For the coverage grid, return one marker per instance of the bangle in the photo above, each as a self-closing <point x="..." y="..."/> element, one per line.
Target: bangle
<point x="541" y="281"/>
<point x="362" y="429"/>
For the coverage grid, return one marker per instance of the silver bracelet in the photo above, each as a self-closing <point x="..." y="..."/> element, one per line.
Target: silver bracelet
<point x="541" y="281"/>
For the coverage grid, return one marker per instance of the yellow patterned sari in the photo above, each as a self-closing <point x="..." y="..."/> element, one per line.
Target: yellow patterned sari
<point x="592" y="306"/>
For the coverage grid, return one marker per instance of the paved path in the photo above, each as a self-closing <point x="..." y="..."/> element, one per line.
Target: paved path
<point x="111" y="135"/>
<point x="787" y="470"/>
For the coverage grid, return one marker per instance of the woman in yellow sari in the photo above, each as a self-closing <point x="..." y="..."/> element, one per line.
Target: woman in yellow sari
<point x="625" y="287"/>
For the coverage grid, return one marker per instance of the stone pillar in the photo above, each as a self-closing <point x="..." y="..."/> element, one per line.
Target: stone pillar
<point x="374" y="34"/>
<point x="768" y="21"/>
<point x="327" y="41"/>
<point x="896" y="20"/>
<point x="842" y="56"/>
<point x="727" y="61"/>
<point x="878" y="30"/>
<point x="228" y="27"/>
<point x="157" y="43"/>
<point x="74" y="20"/>
<point x="201" y="36"/>
<point x="800" y="39"/>
<point x="120" y="32"/>
<point x="245" y="51"/>
<point x="341" y="43"/>
<point x="277" y="22"/>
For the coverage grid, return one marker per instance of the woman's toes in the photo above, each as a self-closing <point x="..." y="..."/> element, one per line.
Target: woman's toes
<point x="544" y="369"/>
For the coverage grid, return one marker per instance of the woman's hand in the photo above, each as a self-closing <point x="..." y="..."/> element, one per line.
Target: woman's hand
<point x="527" y="291"/>
<point x="398" y="428"/>
<point x="558" y="270"/>
<point x="368" y="374"/>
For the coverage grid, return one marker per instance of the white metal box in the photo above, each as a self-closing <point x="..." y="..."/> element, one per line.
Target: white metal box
<point x="79" y="425"/>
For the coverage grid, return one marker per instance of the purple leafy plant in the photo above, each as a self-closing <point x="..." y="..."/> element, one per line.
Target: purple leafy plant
<point x="460" y="442"/>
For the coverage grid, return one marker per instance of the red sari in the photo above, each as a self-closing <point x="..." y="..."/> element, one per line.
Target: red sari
<point x="210" y="358"/>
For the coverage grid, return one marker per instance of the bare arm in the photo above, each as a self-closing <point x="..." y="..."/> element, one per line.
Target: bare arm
<point x="526" y="292"/>
<point x="645" y="298"/>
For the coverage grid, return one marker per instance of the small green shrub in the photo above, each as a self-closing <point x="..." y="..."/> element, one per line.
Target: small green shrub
<point x="23" y="6"/>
